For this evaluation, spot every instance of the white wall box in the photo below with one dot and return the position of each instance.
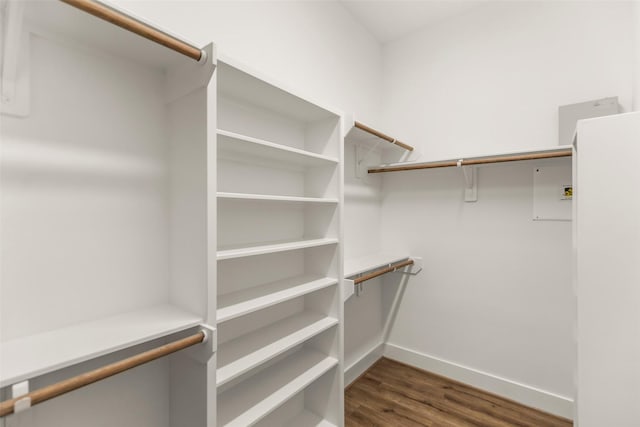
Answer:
(106, 226)
(279, 255)
(607, 250)
(552, 193)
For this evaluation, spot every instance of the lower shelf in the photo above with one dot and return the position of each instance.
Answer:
(258, 396)
(309, 419)
(246, 352)
(28, 357)
(247, 301)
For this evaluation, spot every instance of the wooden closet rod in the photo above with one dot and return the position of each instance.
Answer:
(473, 161)
(122, 20)
(381, 135)
(382, 271)
(74, 383)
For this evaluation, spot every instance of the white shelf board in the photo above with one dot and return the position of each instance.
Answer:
(309, 419)
(548, 150)
(230, 252)
(28, 357)
(358, 136)
(247, 146)
(258, 396)
(274, 198)
(247, 301)
(238, 81)
(246, 352)
(366, 263)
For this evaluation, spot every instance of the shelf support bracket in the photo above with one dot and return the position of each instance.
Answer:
(361, 166)
(349, 289)
(470, 174)
(21, 417)
(17, 390)
(14, 83)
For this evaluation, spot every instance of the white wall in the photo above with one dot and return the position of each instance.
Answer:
(636, 71)
(494, 305)
(493, 78)
(316, 48)
(362, 218)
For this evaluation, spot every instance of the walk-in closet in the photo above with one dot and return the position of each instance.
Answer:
(340, 213)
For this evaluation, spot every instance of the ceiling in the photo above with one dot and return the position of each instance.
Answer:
(388, 20)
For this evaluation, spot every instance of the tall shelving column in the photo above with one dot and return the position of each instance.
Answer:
(279, 206)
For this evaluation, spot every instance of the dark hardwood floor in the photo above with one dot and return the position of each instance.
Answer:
(393, 394)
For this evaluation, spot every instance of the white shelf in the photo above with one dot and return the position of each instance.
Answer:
(35, 355)
(309, 419)
(244, 251)
(250, 401)
(246, 146)
(559, 149)
(361, 137)
(249, 300)
(239, 82)
(244, 353)
(274, 198)
(370, 262)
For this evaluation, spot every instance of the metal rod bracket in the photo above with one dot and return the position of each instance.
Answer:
(470, 174)
(202, 353)
(413, 269)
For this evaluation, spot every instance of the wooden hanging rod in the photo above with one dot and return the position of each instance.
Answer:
(74, 383)
(381, 135)
(129, 23)
(382, 271)
(474, 161)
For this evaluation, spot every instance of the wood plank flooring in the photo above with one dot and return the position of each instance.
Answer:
(393, 394)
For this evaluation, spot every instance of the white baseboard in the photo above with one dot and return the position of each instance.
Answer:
(526, 395)
(357, 368)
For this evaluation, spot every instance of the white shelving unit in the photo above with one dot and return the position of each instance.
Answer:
(279, 202)
(606, 249)
(105, 189)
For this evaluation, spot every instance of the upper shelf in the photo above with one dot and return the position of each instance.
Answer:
(231, 142)
(361, 133)
(546, 153)
(28, 357)
(236, 83)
